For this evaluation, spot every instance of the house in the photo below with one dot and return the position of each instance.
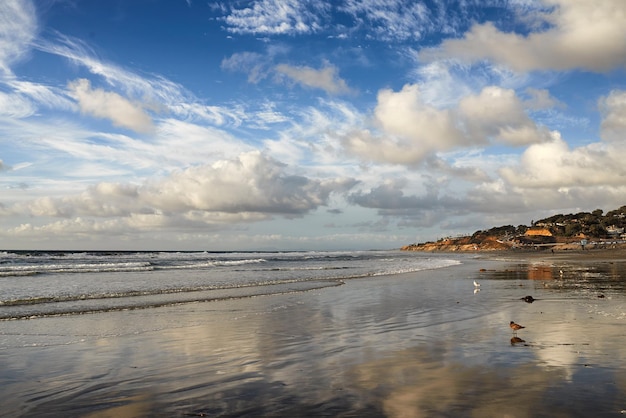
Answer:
(614, 230)
(536, 236)
(538, 232)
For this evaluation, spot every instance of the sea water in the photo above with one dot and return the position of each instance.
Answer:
(44, 283)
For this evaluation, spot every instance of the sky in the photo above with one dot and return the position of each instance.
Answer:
(304, 124)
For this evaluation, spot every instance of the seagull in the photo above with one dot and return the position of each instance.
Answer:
(476, 283)
(515, 327)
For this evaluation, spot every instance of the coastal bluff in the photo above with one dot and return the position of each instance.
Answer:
(583, 230)
(461, 244)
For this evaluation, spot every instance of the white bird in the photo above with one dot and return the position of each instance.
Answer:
(476, 283)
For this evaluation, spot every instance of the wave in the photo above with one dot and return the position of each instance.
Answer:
(81, 282)
(46, 267)
(83, 297)
(42, 307)
(285, 262)
(214, 263)
(135, 293)
(27, 270)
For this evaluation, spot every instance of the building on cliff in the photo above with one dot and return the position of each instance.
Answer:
(536, 236)
(538, 232)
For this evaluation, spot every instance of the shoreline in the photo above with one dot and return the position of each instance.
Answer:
(564, 257)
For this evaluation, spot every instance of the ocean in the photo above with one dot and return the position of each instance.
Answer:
(43, 283)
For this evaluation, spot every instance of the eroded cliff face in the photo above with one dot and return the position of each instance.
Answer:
(463, 244)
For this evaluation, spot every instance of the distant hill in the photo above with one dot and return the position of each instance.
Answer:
(557, 231)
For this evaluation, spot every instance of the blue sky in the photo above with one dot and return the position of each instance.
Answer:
(284, 125)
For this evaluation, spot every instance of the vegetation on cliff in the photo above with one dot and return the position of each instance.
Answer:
(556, 229)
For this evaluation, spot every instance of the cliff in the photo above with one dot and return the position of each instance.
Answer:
(489, 243)
(558, 232)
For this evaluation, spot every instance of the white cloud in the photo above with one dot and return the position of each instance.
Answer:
(72, 151)
(613, 107)
(181, 144)
(440, 85)
(198, 112)
(541, 99)
(326, 78)
(383, 20)
(18, 27)
(156, 92)
(555, 165)
(91, 155)
(311, 139)
(15, 106)
(110, 105)
(405, 115)
(249, 188)
(133, 85)
(459, 171)
(392, 19)
(26, 99)
(390, 197)
(259, 67)
(268, 115)
(251, 183)
(580, 34)
(278, 17)
(44, 96)
(499, 115)
(411, 130)
(252, 63)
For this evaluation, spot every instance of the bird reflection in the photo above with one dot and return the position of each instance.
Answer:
(476, 290)
(516, 340)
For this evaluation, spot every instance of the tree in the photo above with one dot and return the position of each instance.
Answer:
(572, 229)
(596, 230)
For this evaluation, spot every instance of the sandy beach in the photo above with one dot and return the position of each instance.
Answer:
(422, 344)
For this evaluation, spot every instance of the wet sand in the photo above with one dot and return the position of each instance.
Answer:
(421, 344)
(572, 254)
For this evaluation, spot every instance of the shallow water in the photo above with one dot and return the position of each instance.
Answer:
(36, 283)
(418, 344)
